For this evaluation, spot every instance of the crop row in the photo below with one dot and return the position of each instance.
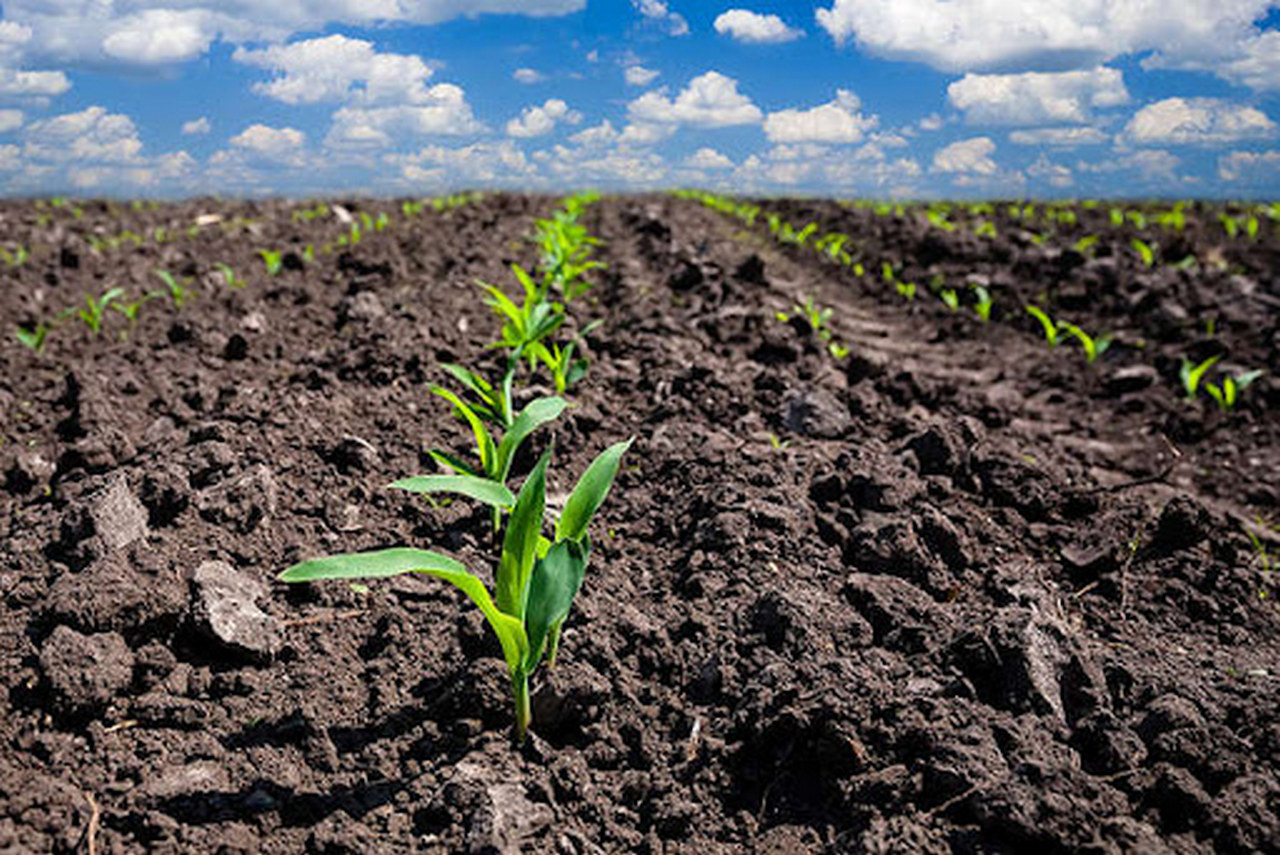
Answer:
(841, 249)
(542, 560)
(178, 290)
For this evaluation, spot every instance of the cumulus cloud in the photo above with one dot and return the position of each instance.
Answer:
(710, 100)
(486, 163)
(445, 113)
(10, 120)
(638, 75)
(1055, 174)
(527, 75)
(660, 13)
(1152, 165)
(868, 171)
(1253, 166)
(197, 127)
(537, 121)
(1196, 121)
(708, 158)
(283, 144)
(161, 32)
(1061, 137)
(338, 68)
(93, 135)
(839, 121)
(754, 28)
(1044, 35)
(1037, 97)
(967, 156)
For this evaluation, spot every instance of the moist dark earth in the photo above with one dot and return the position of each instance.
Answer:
(955, 592)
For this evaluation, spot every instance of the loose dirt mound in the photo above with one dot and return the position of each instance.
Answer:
(954, 592)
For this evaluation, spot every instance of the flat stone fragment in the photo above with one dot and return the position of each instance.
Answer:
(224, 606)
(118, 517)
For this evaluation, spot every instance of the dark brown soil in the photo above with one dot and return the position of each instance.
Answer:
(955, 593)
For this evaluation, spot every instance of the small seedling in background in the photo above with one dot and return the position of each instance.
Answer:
(1192, 373)
(228, 275)
(178, 292)
(382, 222)
(131, 310)
(495, 457)
(1145, 252)
(1228, 393)
(1085, 245)
(537, 577)
(529, 322)
(1093, 347)
(273, 259)
(566, 369)
(907, 290)
(96, 309)
(309, 253)
(16, 258)
(986, 229)
(1046, 324)
(35, 336)
(950, 298)
(984, 303)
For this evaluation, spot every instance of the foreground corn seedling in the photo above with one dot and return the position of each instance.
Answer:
(96, 309)
(1192, 373)
(1228, 393)
(537, 577)
(983, 303)
(1046, 324)
(1093, 347)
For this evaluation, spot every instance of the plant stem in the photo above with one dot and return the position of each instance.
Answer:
(520, 691)
(553, 646)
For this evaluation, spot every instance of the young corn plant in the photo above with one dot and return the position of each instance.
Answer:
(95, 310)
(950, 298)
(563, 363)
(1093, 347)
(1191, 374)
(1145, 252)
(1228, 392)
(537, 578)
(493, 401)
(982, 303)
(273, 259)
(228, 275)
(907, 290)
(1047, 324)
(532, 320)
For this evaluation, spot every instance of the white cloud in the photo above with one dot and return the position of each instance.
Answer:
(624, 169)
(1196, 121)
(1044, 35)
(795, 167)
(527, 75)
(160, 32)
(90, 135)
(711, 100)
(637, 75)
(197, 127)
(1055, 174)
(1257, 65)
(1253, 166)
(836, 122)
(1152, 165)
(537, 121)
(967, 156)
(659, 12)
(1037, 97)
(931, 122)
(445, 113)
(339, 69)
(755, 28)
(708, 158)
(488, 163)
(10, 120)
(1059, 136)
(283, 144)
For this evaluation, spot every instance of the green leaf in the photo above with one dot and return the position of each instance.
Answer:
(481, 489)
(370, 565)
(538, 412)
(457, 464)
(552, 588)
(510, 631)
(590, 492)
(469, 378)
(1191, 374)
(520, 543)
(484, 442)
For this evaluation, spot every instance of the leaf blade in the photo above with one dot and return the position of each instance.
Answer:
(590, 492)
(481, 489)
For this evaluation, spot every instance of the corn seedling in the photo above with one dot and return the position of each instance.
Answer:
(1228, 392)
(228, 275)
(495, 457)
(986, 229)
(178, 292)
(566, 369)
(34, 336)
(983, 303)
(1085, 245)
(531, 321)
(16, 258)
(131, 310)
(950, 298)
(1093, 347)
(1145, 252)
(273, 259)
(1046, 324)
(1191, 374)
(907, 290)
(537, 577)
(492, 401)
(96, 309)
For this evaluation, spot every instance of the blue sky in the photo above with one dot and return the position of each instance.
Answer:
(913, 98)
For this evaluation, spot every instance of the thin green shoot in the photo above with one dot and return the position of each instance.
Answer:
(1093, 347)
(1047, 324)
(1145, 252)
(1227, 394)
(983, 304)
(1191, 374)
(273, 259)
(95, 309)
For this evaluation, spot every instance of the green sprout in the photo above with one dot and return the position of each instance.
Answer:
(493, 400)
(273, 259)
(131, 310)
(495, 457)
(532, 320)
(984, 303)
(228, 275)
(1228, 393)
(566, 369)
(1093, 347)
(907, 290)
(309, 253)
(16, 258)
(1085, 245)
(1046, 323)
(178, 292)
(96, 309)
(986, 229)
(537, 577)
(34, 336)
(950, 298)
(1192, 373)
(1145, 252)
